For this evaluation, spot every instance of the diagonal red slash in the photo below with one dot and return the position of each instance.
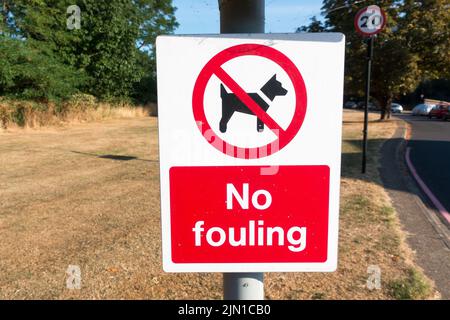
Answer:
(248, 101)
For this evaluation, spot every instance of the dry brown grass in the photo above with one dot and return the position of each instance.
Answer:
(62, 204)
(27, 114)
(106, 111)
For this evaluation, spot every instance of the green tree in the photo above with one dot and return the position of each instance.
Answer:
(425, 25)
(314, 26)
(30, 72)
(400, 62)
(109, 46)
(145, 90)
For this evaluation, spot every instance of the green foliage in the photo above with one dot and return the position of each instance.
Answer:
(425, 28)
(154, 17)
(145, 90)
(413, 46)
(394, 70)
(412, 287)
(82, 102)
(18, 116)
(314, 26)
(112, 50)
(108, 47)
(20, 112)
(31, 72)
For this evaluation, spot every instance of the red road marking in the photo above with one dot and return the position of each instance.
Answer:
(425, 188)
(248, 101)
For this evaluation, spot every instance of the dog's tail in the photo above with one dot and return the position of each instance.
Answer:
(223, 91)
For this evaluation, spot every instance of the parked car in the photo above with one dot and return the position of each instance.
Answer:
(396, 108)
(446, 115)
(362, 105)
(350, 105)
(438, 111)
(374, 107)
(422, 109)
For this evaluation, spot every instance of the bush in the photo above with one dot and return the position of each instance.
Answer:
(29, 71)
(82, 102)
(18, 116)
(26, 113)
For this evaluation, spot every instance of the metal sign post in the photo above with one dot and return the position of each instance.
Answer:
(368, 22)
(243, 286)
(237, 196)
(366, 107)
(242, 16)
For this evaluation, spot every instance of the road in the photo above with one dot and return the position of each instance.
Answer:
(426, 227)
(429, 146)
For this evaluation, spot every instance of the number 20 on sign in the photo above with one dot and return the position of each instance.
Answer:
(250, 147)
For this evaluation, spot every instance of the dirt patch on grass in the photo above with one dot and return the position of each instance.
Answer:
(88, 195)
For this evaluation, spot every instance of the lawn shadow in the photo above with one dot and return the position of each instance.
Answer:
(117, 157)
(114, 157)
(351, 165)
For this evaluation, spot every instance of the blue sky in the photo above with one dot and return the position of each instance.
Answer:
(202, 16)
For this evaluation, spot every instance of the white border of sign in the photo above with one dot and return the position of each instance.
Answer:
(320, 59)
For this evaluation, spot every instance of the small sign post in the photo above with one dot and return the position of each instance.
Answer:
(368, 22)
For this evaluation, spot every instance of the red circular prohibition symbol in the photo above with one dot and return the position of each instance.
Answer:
(369, 34)
(214, 67)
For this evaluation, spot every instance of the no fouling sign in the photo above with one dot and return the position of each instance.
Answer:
(250, 144)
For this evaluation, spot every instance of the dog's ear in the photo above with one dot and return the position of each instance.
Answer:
(268, 88)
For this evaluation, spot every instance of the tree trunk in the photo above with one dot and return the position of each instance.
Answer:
(388, 107)
(385, 108)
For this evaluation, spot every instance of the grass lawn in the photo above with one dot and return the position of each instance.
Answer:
(88, 195)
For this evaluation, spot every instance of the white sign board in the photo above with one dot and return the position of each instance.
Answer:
(250, 151)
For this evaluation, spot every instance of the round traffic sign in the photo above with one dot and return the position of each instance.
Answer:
(370, 20)
(214, 67)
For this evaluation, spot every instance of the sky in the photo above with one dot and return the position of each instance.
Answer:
(202, 16)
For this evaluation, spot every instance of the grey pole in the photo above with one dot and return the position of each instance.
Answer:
(366, 107)
(243, 286)
(242, 16)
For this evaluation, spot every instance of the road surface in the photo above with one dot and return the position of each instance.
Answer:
(428, 232)
(429, 146)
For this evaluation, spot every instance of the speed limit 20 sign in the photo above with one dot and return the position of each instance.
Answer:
(250, 150)
(370, 20)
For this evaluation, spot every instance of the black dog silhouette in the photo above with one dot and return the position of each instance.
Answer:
(231, 103)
